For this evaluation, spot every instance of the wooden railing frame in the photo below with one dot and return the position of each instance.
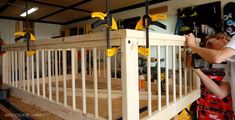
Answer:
(127, 41)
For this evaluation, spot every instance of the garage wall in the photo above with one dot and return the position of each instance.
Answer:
(45, 31)
(7, 29)
(42, 30)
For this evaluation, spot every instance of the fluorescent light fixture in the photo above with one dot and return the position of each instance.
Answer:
(31, 10)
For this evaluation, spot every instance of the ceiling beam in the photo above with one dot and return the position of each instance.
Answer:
(66, 8)
(120, 10)
(6, 5)
(59, 6)
(23, 19)
(77, 20)
(136, 6)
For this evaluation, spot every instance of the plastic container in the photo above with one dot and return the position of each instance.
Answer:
(141, 83)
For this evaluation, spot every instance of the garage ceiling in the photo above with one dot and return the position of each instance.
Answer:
(64, 11)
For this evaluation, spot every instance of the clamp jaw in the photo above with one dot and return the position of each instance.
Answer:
(110, 23)
(20, 35)
(147, 20)
(105, 19)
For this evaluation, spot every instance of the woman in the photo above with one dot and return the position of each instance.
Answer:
(219, 49)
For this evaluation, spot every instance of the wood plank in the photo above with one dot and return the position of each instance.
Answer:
(33, 111)
(102, 79)
(130, 95)
(51, 106)
(158, 10)
(5, 114)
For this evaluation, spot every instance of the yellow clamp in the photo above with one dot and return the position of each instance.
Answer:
(144, 51)
(111, 51)
(101, 16)
(155, 17)
(31, 53)
(32, 37)
(184, 115)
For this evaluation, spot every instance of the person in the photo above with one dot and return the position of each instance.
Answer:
(219, 48)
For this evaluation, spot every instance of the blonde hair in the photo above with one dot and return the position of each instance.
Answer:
(217, 36)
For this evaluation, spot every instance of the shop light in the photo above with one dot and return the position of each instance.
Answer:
(31, 10)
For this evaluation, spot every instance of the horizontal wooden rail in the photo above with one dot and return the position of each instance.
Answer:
(98, 40)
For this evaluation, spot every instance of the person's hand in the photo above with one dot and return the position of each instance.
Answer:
(197, 71)
(190, 40)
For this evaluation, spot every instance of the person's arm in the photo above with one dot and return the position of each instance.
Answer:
(214, 56)
(220, 91)
(211, 55)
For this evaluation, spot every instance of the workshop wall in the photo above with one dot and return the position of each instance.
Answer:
(7, 30)
(42, 30)
(45, 31)
(173, 5)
